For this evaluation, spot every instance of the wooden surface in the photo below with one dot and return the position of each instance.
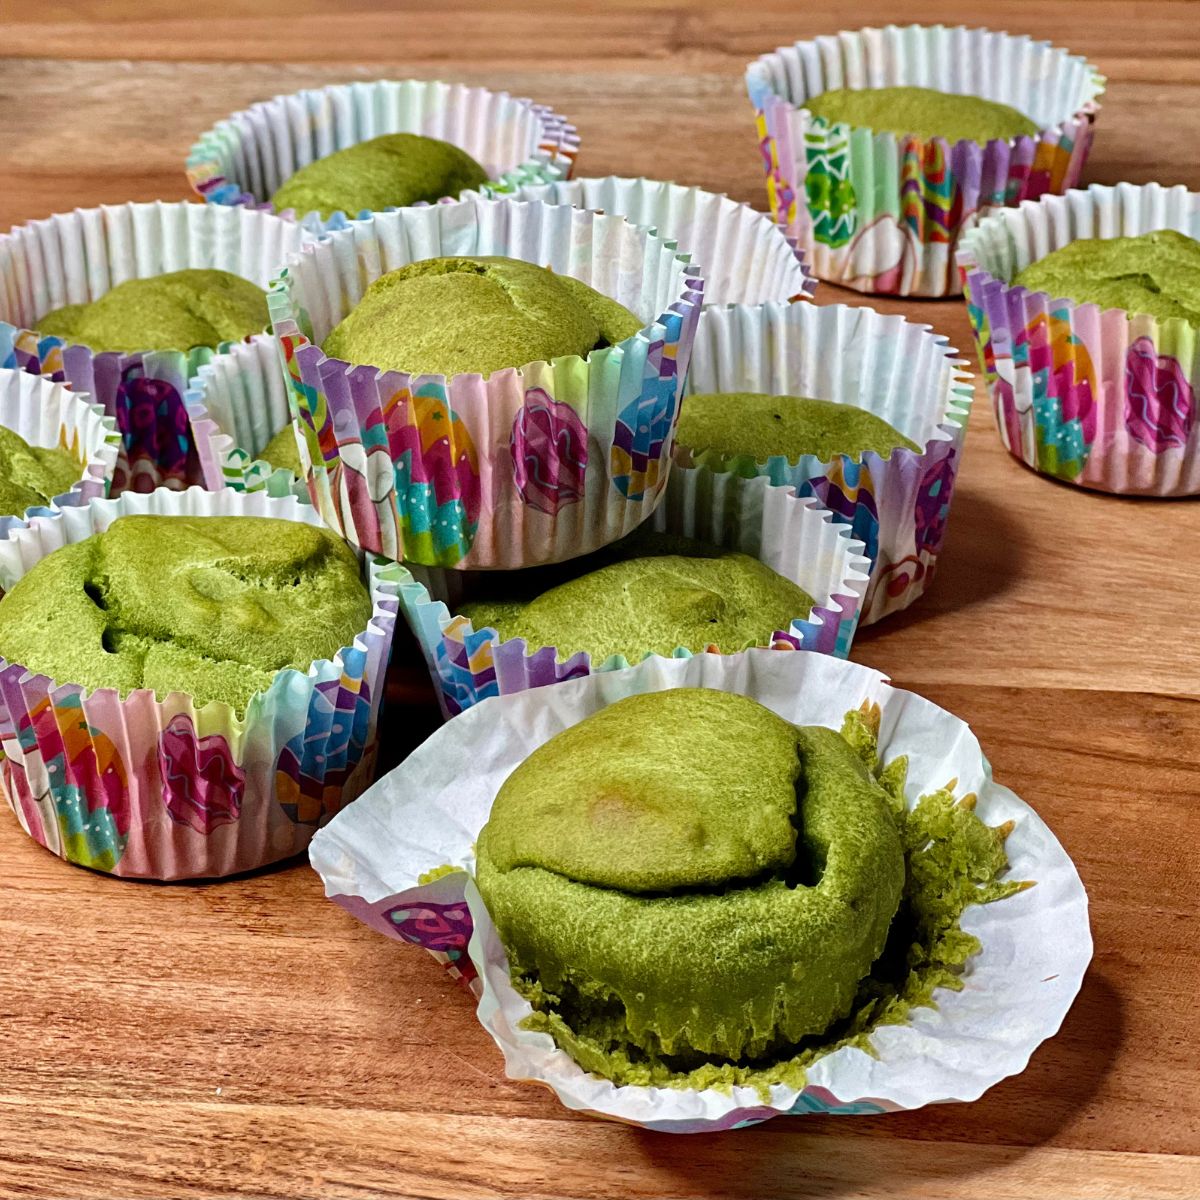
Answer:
(250, 1039)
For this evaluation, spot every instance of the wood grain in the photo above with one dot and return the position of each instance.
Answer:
(248, 1038)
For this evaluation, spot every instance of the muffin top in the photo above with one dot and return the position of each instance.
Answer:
(209, 606)
(390, 171)
(923, 112)
(283, 452)
(758, 426)
(453, 316)
(1156, 273)
(31, 476)
(175, 311)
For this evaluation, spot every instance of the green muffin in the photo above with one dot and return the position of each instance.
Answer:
(210, 606)
(31, 476)
(652, 605)
(693, 874)
(394, 170)
(1157, 274)
(283, 452)
(756, 426)
(175, 311)
(923, 112)
(453, 316)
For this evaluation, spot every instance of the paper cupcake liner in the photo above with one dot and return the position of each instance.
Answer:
(51, 416)
(73, 258)
(897, 506)
(744, 256)
(1104, 399)
(880, 212)
(798, 538)
(529, 465)
(244, 159)
(427, 813)
(237, 402)
(160, 789)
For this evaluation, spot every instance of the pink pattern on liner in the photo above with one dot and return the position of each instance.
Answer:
(202, 785)
(550, 452)
(1160, 408)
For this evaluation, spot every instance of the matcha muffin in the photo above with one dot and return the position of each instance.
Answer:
(393, 170)
(1156, 273)
(31, 476)
(757, 426)
(282, 451)
(693, 875)
(452, 316)
(923, 112)
(213, 607)
(176, 311)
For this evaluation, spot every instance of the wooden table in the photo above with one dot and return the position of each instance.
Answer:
(248, 1038)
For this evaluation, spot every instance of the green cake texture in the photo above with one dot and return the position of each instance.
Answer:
(696, 869)
(452, 316)
(31, 476)
(282, 451)
(1156, 273)
(390, 171)
(175, 311)
(924, 112)
(653, 605)
(210, 606)
(756, 426)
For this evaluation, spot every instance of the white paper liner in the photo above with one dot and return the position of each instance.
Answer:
(244, 159)
(529, 465)
(905, 373)
(744, 256)
(1104, 399)
(797, 538)
(237, 402)
(428, 812)
(880, 212)
(51, 416)
(160, 789)
(74, 258)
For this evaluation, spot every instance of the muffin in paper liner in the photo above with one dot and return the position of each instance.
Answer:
(74, 258)
(236, 403)
(1101, 398)
(425, 816)
(897, 506)
(798, 538)
(245, 158)
(152, 788)
(745, 257)
(50, 415)
(528, 465)
(880, 212)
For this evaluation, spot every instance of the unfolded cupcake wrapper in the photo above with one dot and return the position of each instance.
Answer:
(427, 814)
(881, 212)
(1101, 398)
(897, 506)
(744, 256)
(244, 159)
(51, 416)
(528, 465)
(74, 258)
(236, 403)
(160, 789)
(798, 538)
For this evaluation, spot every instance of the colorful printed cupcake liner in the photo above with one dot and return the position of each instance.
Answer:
(880, 212)
(375, 857)
(745, 257)
(244, 159)
(159, 789)
(51, 416)
(897, 506)
(74, 258)
(237, 402)
(529, 465)
(1105, 399)
(798, 538)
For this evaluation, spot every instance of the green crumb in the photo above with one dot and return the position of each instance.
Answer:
(31, 476)
(437, 873)
(282, 452)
